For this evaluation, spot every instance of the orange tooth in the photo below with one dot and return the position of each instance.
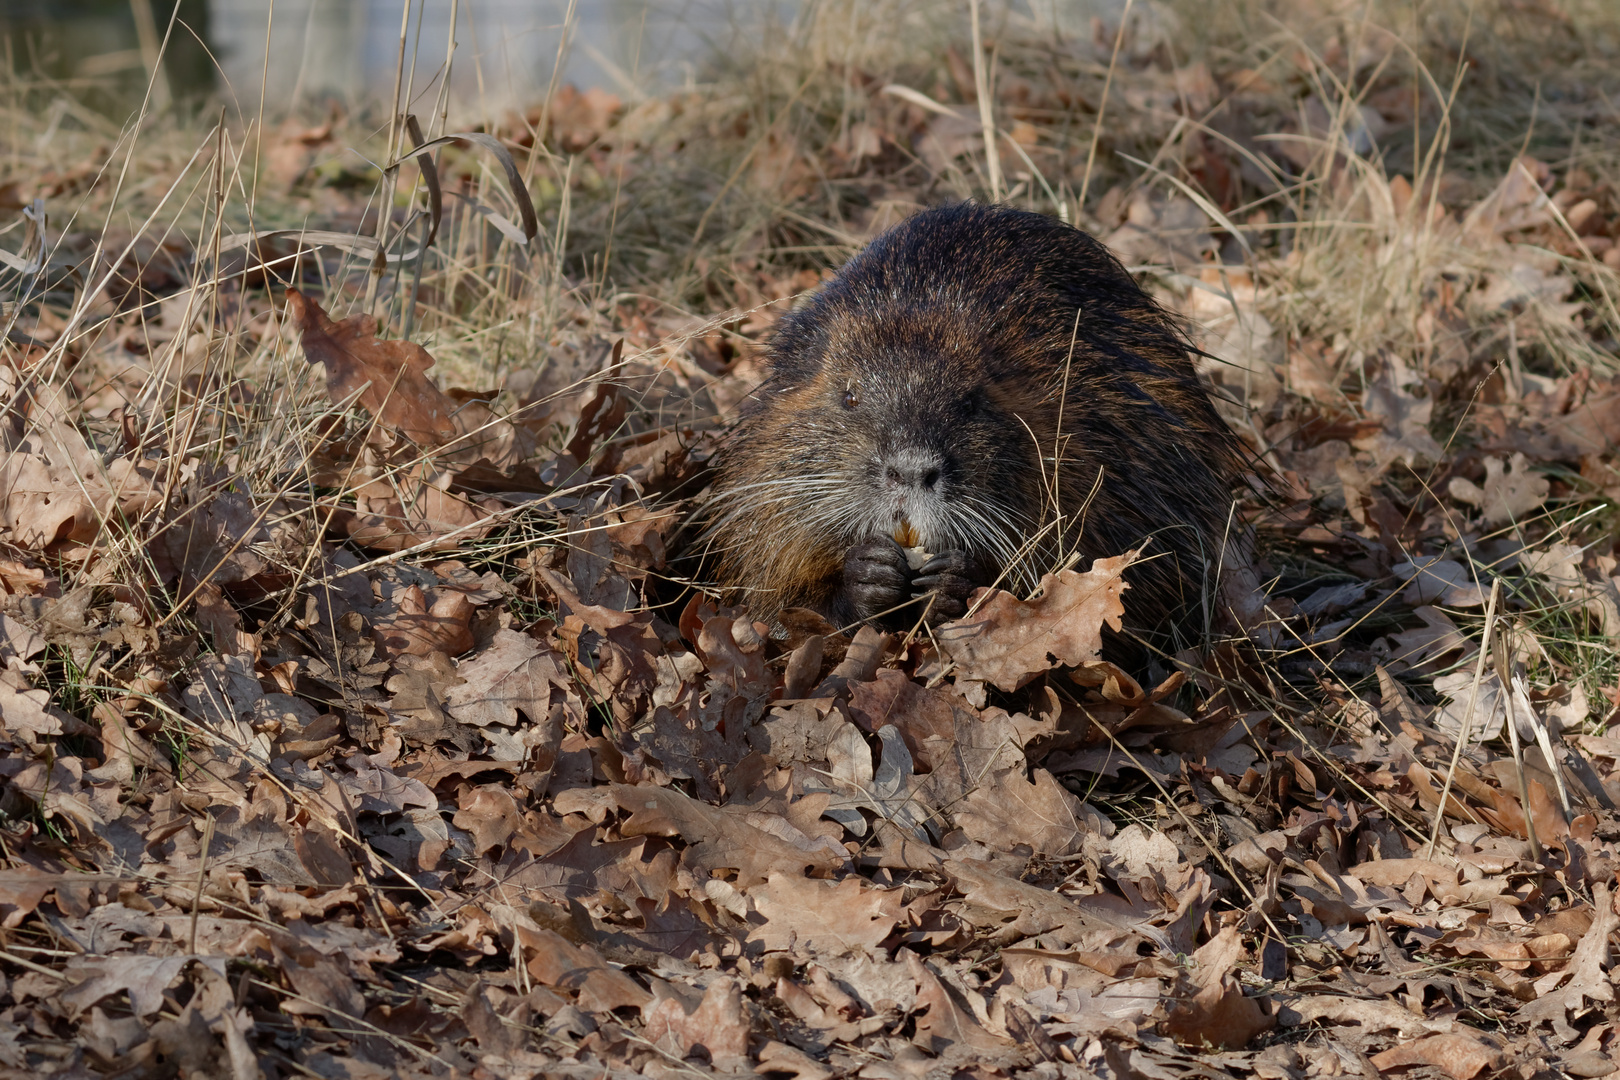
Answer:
(905, 535)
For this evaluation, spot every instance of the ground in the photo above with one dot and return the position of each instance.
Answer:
(358, 718)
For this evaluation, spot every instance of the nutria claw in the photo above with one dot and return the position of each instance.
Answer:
(876, 580)
(948, 579)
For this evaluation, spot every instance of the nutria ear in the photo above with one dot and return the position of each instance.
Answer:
(799, 343)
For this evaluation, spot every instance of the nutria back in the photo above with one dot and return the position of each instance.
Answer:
(991, 386)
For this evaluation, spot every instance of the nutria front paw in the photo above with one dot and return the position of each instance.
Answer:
(876, 579)
(948, 579)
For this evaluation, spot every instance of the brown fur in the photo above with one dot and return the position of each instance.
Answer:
(970, 375)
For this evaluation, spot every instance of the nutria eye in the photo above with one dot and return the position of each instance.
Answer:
(852, 397)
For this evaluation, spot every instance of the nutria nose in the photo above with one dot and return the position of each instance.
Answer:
(912, 469)
(913, 478)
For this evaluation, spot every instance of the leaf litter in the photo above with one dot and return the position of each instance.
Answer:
(354, 723)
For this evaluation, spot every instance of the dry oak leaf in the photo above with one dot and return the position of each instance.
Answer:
(734, 652)
(820, 917)
(490, 814)
(512, 676)
(1396, 873)
(1463, 1056)
(390, 377)
(1007, 809)
(1562, 426)
(1518, 202)
(29, 713)
(1419, 647)
(775, 1057)
(145, 977)
(1343, 898)
(42, 504)
(20, 893)
(18, 641)
(1157, 232)
(213, 541)
(993, 898)
(556, 961)
(940, 728)
(1218, 1014)
(1008, 641)
(946, 1026)
(380, 790)
(1295, 1009)
(416, 626)
(1404, 416)
(407, 509)
(1432, 579)
(579, 868)
(484, 1024)
(1560, 566)
(717, 1025)
(1136, 853)
(623, 669)
(1509, 494)
(1587, 979)
(1033, 969)
(722, 837)
(1526, 283)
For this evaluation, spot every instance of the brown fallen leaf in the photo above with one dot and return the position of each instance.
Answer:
(1405, 417)
(1558, 427)
(945, 1025)
(494, 1037)
(1218, 1014)
(388, 378)
(1420, 648)
(1509, 494)
(555, 961)
(44, 504)
(29, 713)
(1008, 641)
(817, 916)
(418, 625)
(1395, 873)
(718, 1025)
(1463, 1056)
(1587, 978)
(1295, 1009)
(1033, 968)
(490, 814)
(1033, 910)
(1173, 232)
(1009, 808)
(513, 675)
(775, 1057)
(723, 836)
(1518, 202)
(144, 977)
(20, 893)
(218, 540)
(406, 509)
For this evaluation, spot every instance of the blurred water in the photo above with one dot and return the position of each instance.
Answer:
(506, 50)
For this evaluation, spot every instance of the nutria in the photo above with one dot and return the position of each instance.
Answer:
(988, 385)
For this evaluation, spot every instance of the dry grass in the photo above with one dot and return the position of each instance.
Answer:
(1310, 184)
(680, 219)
